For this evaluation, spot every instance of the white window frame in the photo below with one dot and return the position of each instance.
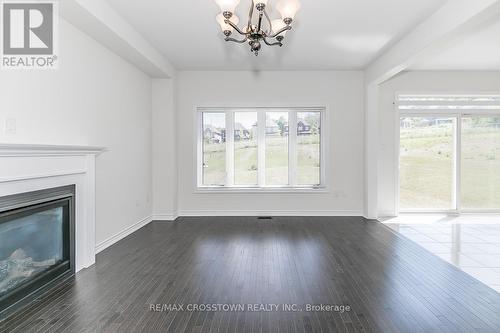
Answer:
(261, 137)
(457, 115)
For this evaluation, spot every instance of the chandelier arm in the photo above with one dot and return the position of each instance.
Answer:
(235, 27)
(280, 31)
(229, 39)
(250, 14)
(272, 44)
(259, 25)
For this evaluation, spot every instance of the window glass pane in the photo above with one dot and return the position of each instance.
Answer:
(426, 163)
(276, 148)
(308, 148)
(214, 148)
(480, 162)
(245, 148)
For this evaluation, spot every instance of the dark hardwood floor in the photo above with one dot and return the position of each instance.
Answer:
(390, 283)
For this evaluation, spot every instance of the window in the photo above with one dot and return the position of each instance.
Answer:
(255, 148)
(245, 149)
(308, 148)
(449, 157)
(276, 148)
(214, 148)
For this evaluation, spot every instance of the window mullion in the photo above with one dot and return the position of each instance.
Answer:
(261, 147)
(229, 148)
(292, 148)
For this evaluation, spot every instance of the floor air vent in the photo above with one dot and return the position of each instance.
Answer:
(264, 218)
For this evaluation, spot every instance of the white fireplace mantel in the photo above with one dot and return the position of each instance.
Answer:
(31, 167)
(21, 149)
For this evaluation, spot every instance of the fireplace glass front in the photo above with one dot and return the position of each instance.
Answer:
(35, 244)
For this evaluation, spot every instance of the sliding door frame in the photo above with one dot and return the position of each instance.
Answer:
(457, 115)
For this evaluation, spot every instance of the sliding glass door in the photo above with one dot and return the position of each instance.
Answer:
(427, 163)
(449, 163)
(480, 163)
(449, 152)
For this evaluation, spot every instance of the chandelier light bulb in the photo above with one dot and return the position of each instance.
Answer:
(227, 5)
(288, 8)
(223, 25)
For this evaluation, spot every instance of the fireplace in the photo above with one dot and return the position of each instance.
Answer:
(37, 244)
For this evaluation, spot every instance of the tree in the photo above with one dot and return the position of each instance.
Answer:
(312, 120)
(281, 122)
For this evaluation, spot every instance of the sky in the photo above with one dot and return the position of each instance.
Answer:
(247, 119)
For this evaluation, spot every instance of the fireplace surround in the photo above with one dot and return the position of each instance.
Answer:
(37, 244)
(32, 167)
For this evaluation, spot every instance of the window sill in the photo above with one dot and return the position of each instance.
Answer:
(293, 190)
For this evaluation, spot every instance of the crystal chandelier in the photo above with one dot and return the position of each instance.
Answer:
(263, 30)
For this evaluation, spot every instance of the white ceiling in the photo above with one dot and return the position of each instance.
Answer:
(327, 34)
(480, 51)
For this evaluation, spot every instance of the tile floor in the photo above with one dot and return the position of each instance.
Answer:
(470, 242)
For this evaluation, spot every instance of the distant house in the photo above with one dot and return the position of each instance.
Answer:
(214, 135)
(303, 128)
(440, 121)
(241, 133)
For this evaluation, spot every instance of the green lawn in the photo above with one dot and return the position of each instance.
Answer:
(276, 160)
(426, 167)
(481, 169)
(246, 164)
(214, 163)
(308, 159)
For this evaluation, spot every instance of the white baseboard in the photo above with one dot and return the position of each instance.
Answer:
(122, 234)
(164, 217)
(386, 214)
(270, 213)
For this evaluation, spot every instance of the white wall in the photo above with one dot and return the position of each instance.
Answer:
(94, 98)
(417, 82)
(164, 150)
(341, 92)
